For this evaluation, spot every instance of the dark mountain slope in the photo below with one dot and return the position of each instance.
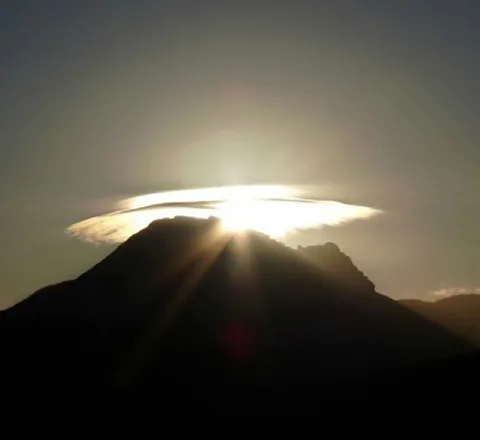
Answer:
(216, 276)
(208, 319)
(333, 261)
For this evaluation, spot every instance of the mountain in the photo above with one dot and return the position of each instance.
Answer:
(459, 313)
(332, 260)
(196, 320)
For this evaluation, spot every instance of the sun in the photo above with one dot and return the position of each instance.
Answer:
(253, 214)
(237, 215)
(235, 224)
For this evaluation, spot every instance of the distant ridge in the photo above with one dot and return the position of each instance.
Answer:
(459, 313)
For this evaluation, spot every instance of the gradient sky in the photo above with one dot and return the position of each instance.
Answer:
(376, 102)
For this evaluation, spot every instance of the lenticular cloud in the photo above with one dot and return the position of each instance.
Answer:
(271, 209)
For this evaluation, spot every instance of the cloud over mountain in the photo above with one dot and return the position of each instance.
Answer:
(451, 291)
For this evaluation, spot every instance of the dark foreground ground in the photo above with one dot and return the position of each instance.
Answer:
(177, 399)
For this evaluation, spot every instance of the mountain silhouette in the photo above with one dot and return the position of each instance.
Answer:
(332, 260)
(459, 313)
(213, 321)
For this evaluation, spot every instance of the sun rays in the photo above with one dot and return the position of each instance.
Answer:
(272, 210)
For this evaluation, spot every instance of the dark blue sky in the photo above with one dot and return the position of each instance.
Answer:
(376, 100)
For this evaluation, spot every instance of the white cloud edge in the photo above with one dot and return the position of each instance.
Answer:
(451, 291)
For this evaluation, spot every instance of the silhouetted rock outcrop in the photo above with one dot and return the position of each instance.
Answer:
(213, 322)
(459, 313)
(332, 260)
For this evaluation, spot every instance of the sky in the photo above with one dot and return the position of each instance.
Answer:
(373, 102)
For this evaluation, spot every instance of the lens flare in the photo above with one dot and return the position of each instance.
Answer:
(271, 209)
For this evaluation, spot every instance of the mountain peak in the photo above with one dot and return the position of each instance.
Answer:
(332, 260)
(332, 247)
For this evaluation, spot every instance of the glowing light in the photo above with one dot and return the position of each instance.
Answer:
(209, 195)
(273, 210)
(277, 218)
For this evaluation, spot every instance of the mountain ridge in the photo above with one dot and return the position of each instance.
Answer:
(331, 259)
(459, 313)
(127, 284)
(215, 322)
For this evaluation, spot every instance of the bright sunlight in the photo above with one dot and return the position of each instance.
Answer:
(273, 210)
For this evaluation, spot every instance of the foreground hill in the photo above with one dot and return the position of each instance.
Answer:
(211, 322)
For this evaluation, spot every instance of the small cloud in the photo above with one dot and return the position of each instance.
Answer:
(451, 291)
